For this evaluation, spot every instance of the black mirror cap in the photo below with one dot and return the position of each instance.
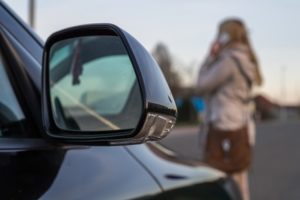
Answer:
(159, 108)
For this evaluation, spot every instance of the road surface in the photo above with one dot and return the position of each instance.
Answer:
(275, 172)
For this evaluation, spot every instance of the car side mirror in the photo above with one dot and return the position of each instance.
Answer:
(101, 86)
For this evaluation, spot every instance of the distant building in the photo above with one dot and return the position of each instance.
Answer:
(266, 109)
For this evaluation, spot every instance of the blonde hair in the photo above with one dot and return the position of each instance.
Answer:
(237, 32)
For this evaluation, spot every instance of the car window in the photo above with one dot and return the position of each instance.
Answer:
(12, 119)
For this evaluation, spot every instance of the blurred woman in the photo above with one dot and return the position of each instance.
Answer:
(226, 80)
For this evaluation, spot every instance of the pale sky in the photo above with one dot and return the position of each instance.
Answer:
(188, 27)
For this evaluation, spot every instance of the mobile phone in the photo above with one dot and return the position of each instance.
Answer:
(223, 38)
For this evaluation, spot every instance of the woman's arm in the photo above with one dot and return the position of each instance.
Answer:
(211, 78)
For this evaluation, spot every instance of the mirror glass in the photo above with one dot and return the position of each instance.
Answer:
(93, 85)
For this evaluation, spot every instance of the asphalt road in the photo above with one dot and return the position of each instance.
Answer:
(275, 172)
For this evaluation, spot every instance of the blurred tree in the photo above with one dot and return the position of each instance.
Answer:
(164, 60)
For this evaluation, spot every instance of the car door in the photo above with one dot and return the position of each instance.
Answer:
(32, 167)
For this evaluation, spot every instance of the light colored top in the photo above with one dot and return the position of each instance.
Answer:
(225, 89)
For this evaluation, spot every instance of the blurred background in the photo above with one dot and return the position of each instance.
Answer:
(179, 34)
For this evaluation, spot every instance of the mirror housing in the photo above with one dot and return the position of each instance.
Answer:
(158, 109)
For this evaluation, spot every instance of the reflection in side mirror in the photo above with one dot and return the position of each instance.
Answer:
(101, 86)
(93, 85)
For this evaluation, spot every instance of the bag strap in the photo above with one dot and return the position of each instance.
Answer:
(242, 71)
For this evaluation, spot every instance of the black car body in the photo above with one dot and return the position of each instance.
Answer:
(32, 167)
